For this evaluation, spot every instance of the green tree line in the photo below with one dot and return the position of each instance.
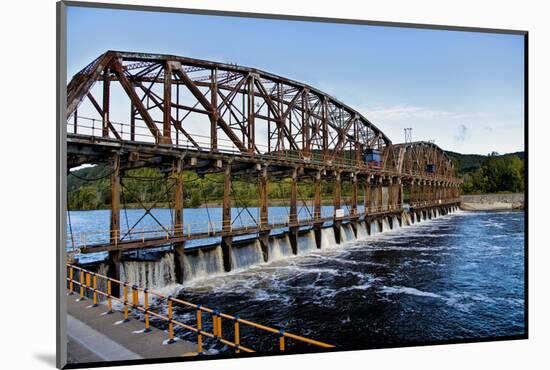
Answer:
(492, 173)
(89, 188)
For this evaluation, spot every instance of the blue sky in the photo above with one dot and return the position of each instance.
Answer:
(462, 89)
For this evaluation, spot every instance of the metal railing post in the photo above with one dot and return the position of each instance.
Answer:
(109, 299)
(237, 335)
(94, 290)
(146, 306)
(170, 322)
(71, 286)
(199, 330)
(281, 340)
(81, 278)
(125, 301)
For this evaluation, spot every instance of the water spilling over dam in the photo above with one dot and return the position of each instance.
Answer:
(157, 269)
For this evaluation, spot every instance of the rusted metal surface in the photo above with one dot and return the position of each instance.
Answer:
(195, 115)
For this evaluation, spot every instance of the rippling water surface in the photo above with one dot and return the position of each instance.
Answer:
(455, 277)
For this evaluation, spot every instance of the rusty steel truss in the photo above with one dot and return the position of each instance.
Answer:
(176, 113)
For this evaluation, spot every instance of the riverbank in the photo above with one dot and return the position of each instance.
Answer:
(492, 202)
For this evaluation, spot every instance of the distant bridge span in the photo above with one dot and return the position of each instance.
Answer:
(132, 110)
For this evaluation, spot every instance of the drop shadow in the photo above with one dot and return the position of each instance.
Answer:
(46, 358)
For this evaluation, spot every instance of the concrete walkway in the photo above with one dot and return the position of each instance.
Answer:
(94, 336)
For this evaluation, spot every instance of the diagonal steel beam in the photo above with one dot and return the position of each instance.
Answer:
(82, 82)
(206, 104)
(276, 113)
(159, 104)
(126, 85)
(100, 111)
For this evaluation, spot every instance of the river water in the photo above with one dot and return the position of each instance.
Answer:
(455, 277)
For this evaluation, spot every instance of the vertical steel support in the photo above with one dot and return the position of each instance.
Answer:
(293, 217)
(306, 142)
(250, 120)
(325, 127)
(264, 216)
(353, 209)
(113, 270)
(115, 201)
(167, 112)
(380, 198)
(317, 197)
(399, 193)
(227, 237)
(391, 195)
(214, 113)
(262, 184)
(337, 193)
(179, 231)
(106, 99)
(354, 195)
(357, 147)
(368, 197)
(132, 122)
(317, 209)
(412, 193)
(423, 197)
(337, 203)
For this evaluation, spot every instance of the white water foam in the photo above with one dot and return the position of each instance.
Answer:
(203, 263)
(361, 231)
(243, 256)
(328, 240)
(385, 224)
(279, 248)
(374, 227)
(407, 290)
(149, 274)
(306, 243)
(395, 223)
(346, 233)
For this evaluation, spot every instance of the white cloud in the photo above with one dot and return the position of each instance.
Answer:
(403, 112)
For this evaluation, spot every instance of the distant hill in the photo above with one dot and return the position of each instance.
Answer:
(467, 163)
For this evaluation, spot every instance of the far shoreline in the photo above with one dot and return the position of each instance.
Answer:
(492, 202)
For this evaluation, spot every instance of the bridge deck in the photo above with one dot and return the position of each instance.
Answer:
(95, 337)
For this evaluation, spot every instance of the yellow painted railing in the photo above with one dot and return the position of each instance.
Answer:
(88, 283)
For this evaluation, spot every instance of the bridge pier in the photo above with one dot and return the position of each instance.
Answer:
(113, 263)
(317, 210)
(264, 217)
(227, 239)
(263, 237)
(337, 202)
(379, 195)
(179, 248)
(391, 191)
(227, 246)
(399, 195)
(354, 214)
(293, 217)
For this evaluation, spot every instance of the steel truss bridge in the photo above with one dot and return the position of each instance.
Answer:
(130, 110)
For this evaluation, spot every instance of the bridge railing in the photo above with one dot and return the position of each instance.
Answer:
(84, 239)
(89, 283)
(92, 127)
(187, 230)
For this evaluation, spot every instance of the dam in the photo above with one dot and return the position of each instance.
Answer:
(232, 124)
